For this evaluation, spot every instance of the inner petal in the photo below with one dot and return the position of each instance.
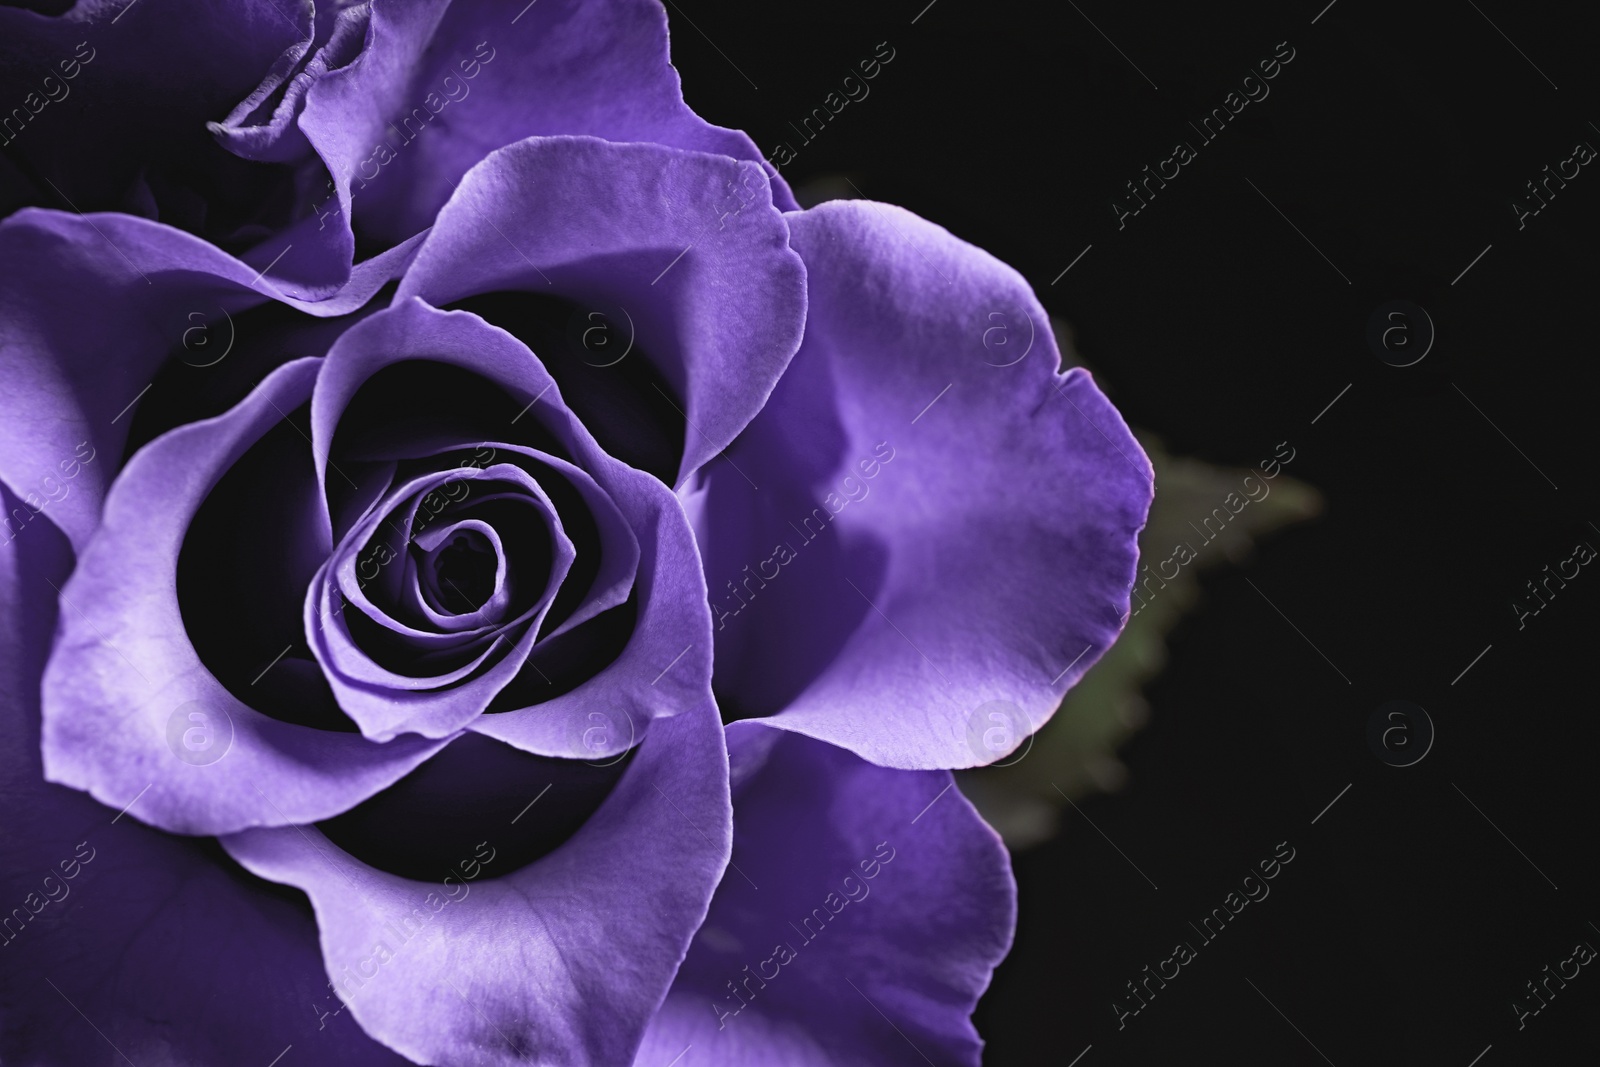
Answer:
(462, 569)
(447, 568)
(503, 522)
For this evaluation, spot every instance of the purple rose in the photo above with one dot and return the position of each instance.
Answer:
(358, 644)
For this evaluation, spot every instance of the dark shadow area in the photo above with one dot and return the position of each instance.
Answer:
(466, 812)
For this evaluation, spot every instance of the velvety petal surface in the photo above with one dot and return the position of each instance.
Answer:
(945, 524)
(561, 962)
(861, 917)
(263, 126)
(665, 665)
(438, 86)
(176, 955)
(90, 307)
(124, 684)
(684, 248)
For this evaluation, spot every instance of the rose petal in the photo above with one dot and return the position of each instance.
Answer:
(945, 524)
(123, 671)
(175, 954)
(344, 569)
(309, 253)
(615, 543)
(665, 666)
(278, 138)
(385, 702)
(423, 593)
(145, 78)
(436, 88)
(562, 961)
(145, 283)
(687, 245)
(129, 131)
(884, 904)
(611, 575)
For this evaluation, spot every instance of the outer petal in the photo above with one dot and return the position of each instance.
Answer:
(884, 904)
(666, 664)
(944, 522)
(263, 125)
(123, 669)
(176, 956)
(437, 87)
(314, 251)
(687, 245)
(131, 86)
(72, 377)
(562, 962)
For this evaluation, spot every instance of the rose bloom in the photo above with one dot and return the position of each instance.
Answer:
(521, 609)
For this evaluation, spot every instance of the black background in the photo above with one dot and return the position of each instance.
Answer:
(1395, 141)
